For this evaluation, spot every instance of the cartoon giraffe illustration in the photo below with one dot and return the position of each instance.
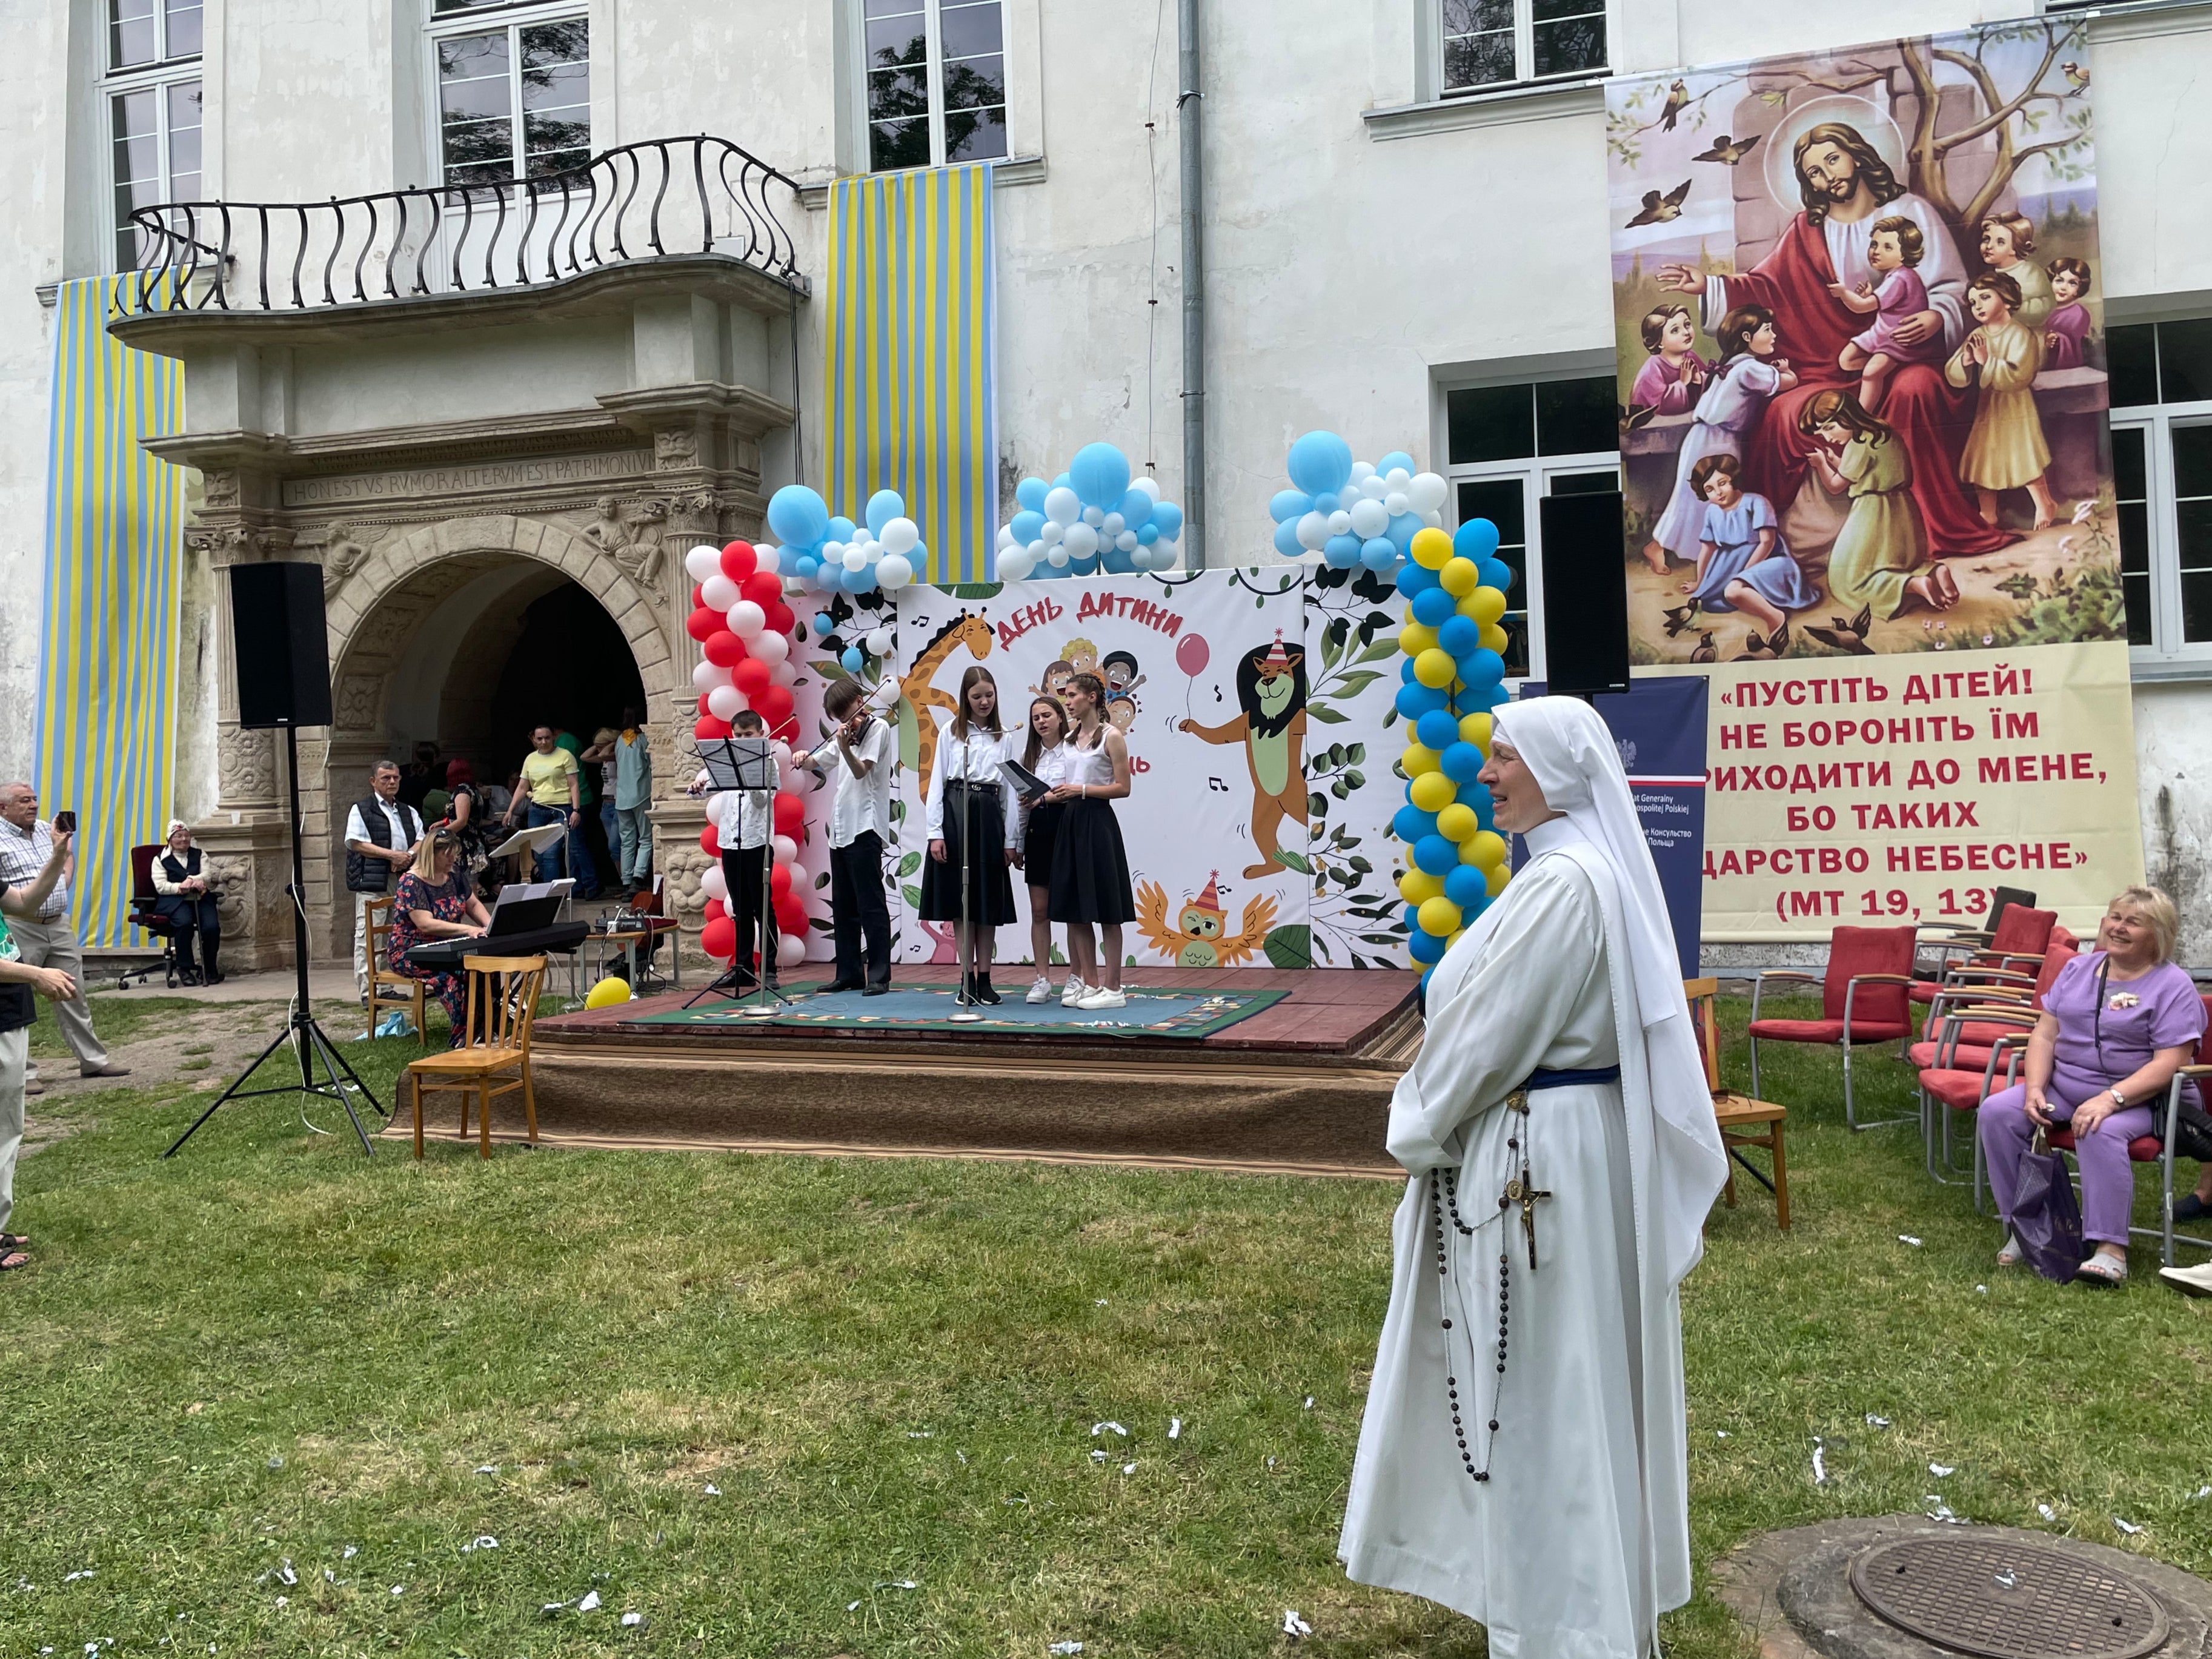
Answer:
(917, 730)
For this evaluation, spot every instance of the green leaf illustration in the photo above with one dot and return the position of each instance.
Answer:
(1290, 946)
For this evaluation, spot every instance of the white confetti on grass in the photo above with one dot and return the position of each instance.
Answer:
(1819, 1466)
(482, 1541)
(1098, 1456)
(2201, 1493)
(71, 1577)
(1873, 1421)
(487, 1469)
(2046, 1512)
(631, 1619)
(1294, 1626)
(2127, 1527)
(1064, 1648)
(712, 1490)
(1942, 1471)
(1097, 1429)
(399, 1589)
(349, 1552)
(852, 1607)
(1309, 1404)
(1128, 1468)
(1175, 1433)
(590, 1604)
(1907, 1238)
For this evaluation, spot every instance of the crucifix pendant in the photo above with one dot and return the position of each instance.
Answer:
(1524, 1192)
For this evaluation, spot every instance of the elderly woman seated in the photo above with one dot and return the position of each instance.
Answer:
(185, 898)
(2117, 1024)
(436, 900)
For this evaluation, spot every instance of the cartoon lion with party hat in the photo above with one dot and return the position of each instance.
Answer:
(1200, 937)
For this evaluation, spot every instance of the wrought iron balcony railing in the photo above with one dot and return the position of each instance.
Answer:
(663, 197)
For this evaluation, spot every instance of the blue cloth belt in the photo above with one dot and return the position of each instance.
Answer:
(1541, 1079)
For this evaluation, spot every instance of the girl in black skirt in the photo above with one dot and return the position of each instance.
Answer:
(1046, 755)
(966, 788)
(1090, 871)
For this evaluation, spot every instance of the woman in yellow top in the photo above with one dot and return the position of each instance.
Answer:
(548, 794)
(2005, 451)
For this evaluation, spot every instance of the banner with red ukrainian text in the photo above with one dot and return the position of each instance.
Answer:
(1873, 790)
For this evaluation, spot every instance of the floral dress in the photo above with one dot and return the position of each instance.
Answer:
(448, 903)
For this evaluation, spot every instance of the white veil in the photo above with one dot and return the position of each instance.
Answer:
(1572, 756)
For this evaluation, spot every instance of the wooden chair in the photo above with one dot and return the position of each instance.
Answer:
(1743, 1121)
(503, 992)
(389, 990)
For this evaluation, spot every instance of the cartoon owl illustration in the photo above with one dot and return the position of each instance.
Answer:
(1200, 937)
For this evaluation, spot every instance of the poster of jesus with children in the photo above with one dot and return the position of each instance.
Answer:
(1861, 341)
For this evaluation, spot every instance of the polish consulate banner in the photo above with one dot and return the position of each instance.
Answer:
(107, 640)
(912, 368)
(1255, 704)
(1873, 793)
(1857, 304)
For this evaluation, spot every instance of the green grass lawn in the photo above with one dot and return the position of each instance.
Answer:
(754, 1399)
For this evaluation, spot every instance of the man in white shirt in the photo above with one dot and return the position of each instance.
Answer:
(381, 831)
(50, 941)
(863, 752)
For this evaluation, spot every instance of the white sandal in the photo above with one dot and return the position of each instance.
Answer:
(2102, 1269)
(2011, 1255)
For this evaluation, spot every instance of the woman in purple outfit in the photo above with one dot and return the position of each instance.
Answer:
(2117, 1024)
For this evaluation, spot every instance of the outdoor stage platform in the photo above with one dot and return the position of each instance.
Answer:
(1255, 1069)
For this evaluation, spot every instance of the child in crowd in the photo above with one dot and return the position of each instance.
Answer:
(1894, 246)
(2067, 327)
(1878, 560)
(1749, 376)
(2007, 240)
(1743, 564)
(2005, 450)
(1674, 378)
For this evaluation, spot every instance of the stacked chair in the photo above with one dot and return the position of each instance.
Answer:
(1865, 998)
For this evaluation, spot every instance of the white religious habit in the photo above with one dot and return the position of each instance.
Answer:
(1564, 1528)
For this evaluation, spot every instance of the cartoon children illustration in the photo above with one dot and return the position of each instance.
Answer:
(1082, 655)
(1676, 377)
(1056, 676)
(1750, 374)
(1743, 564)
(2066, 327)
(1121, 713)
(2005, 450)
(1119, 671)
(1894, 246)
(1880, 559)
(2007, 240)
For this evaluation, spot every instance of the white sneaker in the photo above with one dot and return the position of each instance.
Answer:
(1102, 998)
(2190, 1281)
(1040, 991)
(1071, 994)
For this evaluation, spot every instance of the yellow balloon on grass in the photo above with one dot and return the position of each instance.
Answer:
(1494, 638)
(1497, 874)
(1418, 886)
(1418, 759)
(1475, 729)
(1431, 548)
(1457, 821)
(1460, 577)
(1489, 605)
(1415, 637)
(1432, 792)
(1434, 668)
(608, 992)
(1485, 849)
(1439, 916)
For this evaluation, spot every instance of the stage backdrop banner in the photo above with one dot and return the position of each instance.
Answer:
(1796, 247)
(1255, 706)
(1660, 726)
(1875, 793)
(912, 368)
(107, 640)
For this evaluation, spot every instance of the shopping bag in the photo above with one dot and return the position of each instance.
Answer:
(2046, 1217)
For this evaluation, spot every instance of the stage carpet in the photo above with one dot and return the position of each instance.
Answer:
(1258, 1069)
(1150, 1013)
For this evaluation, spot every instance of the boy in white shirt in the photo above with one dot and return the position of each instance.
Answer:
(744, 824)
(862, 753)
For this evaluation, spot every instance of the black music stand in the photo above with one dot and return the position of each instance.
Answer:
(749, 764)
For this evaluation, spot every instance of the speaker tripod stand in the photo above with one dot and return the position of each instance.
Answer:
(300, 1030)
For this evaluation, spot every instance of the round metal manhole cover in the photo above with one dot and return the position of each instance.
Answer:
(2008, 1600)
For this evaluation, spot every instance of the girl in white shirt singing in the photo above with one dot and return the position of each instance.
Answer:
(1045, 755)
(967, 791)
(1089, 870)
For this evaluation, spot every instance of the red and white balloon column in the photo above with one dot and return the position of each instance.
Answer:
(744, 632)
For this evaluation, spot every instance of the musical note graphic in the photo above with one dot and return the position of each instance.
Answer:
(1217, 694)
(1216, 784)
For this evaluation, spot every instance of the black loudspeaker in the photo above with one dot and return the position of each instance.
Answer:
(1585, 594)
(283, 658)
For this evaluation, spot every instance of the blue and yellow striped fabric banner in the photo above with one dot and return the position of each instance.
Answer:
(913, 365)
(107, 644)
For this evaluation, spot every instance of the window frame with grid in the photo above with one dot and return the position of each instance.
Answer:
(171, 73)
(928, 104)
(1564, 410)
(2162, 425)
(461, 20)
(1478, 41)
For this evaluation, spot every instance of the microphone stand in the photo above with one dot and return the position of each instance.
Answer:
(966, 1015)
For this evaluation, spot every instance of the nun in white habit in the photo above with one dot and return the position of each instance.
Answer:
(1524, 1459)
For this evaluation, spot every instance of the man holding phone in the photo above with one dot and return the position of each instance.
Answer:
(49, 940)
(18, 980)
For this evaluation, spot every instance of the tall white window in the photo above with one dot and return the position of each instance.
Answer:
(152, 89)
(1495, 43)
(936, 82)
(515, 89)
(2161, 395)
(1510, 446)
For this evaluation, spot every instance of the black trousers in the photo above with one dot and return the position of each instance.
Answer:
(857, 909)
(742, 870)
(194, 913)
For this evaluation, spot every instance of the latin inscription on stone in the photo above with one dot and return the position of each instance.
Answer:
(489, 476)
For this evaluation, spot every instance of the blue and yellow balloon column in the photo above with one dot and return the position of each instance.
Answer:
(1454, 671)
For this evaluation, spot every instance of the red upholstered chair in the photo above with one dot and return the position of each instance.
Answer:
(2021, 936)
(1960, 1078)
(1946, 938)
(1992, 986)
(1863, 1000)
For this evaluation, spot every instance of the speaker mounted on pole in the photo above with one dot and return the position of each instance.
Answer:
(1585, 594)
(279, 644)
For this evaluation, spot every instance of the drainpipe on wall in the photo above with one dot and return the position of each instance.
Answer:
(1187, 100)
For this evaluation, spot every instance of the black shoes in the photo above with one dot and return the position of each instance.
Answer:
(837, 985)
(982, 992)
(875, 991)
